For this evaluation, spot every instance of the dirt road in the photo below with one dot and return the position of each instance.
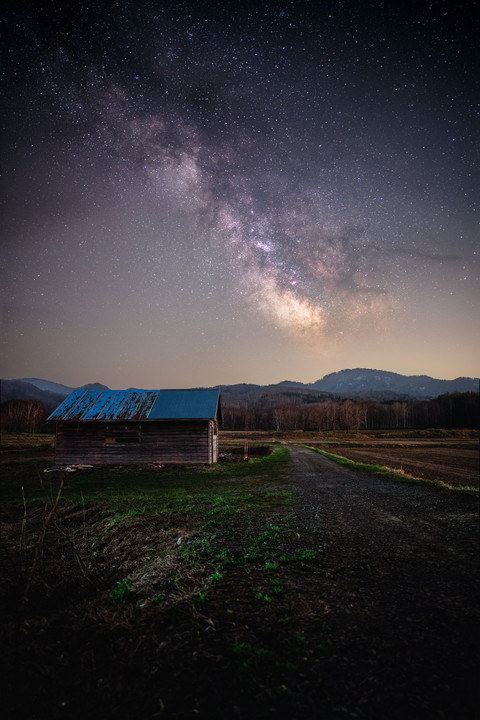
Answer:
(401, 568)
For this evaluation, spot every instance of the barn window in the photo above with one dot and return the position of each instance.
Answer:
(121, 433)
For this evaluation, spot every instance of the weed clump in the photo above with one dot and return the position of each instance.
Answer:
(122, 592)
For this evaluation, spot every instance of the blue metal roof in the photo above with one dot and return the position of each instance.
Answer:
(179, 404)
(114, 405)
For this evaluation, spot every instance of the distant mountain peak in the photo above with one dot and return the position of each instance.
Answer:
(95, 386)
(361, 382)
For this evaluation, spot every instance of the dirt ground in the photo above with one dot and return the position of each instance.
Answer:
(319, 593)
(455, 464)
(403, 576)
(453, 459)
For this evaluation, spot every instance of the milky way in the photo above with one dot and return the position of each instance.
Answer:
(306, 170)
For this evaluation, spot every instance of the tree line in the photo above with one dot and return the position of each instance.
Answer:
(453, 410)
(23, 416)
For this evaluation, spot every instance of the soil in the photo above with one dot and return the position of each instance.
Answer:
(453, 464)
(375, 614)
(402, 577)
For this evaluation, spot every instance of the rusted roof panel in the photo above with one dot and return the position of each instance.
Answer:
(122, 405)
(69, 405)
(91, 405)
(75, 405)
(117, 405)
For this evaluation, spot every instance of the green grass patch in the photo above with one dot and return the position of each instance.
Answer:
(279, 454)
(193, 490)
(121, 593)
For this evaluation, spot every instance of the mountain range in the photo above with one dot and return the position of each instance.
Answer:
(363, 383)
(50, 394)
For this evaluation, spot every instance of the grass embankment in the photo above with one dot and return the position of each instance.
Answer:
(193, 524)
(386, 472)
(164, 579)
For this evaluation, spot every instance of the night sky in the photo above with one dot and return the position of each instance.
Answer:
(202, 193)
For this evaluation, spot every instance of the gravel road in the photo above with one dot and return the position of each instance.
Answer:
(400, 577)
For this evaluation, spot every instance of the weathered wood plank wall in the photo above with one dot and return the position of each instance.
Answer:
(99, 443)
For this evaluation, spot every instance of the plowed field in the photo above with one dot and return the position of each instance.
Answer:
(455, 464)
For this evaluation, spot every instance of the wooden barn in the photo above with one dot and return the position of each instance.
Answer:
(110, 427)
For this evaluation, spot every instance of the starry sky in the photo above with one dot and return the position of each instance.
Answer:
(205, 193)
